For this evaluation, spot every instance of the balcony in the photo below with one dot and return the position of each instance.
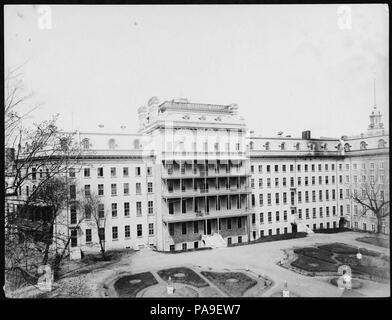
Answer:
(188, 174)
(176, 193)
(191, 216)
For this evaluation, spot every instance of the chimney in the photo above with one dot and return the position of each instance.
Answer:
(306, 135)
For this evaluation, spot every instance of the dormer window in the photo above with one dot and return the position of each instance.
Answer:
(347, 147)
(311, 146)
(267, 146)
(381, 143)
(323, 146)
(203, 117)
(251, 145)
(363, 145)
(296, 146)
(136, 144)
(218, 119)
(186, 117)
(86, 143)
(338, 146)
(282, 146)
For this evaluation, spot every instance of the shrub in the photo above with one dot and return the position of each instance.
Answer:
(332, 230)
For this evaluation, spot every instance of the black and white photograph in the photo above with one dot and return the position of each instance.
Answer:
(196, 151)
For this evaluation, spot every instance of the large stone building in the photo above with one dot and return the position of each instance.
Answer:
(194, 176)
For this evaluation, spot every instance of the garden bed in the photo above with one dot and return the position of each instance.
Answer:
(183, 275)
(234, 284)
(316, 253)
(129, 286)
(313, 265)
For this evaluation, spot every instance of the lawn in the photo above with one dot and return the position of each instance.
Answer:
(183, 275)
(234, 284)
(316, 253)
(313, 264)
(381, 242)
(129, 286)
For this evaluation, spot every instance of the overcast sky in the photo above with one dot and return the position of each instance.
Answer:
(289, 68)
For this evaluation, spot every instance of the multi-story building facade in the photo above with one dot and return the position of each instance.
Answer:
(194, 171)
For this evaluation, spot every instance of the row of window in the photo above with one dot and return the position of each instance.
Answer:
(113, 172)
(113, 188)
(196, 224)
(311, 167)
(307, 195)
(312, 180)
(278, 214)
(180, 146)
(114, 210)
(115, 232)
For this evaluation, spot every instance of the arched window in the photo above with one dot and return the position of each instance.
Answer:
(267, 145)
(112, 143)
(363, 145)
(381, 143)
(136, 144)
(347, 147)
(86, 143)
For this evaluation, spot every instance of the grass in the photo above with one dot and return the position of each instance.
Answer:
(316, 253)
(233, 289)
(125, 288)
(313, 264)
(380, 242)
(190, 276)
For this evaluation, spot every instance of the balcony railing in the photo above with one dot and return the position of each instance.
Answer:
(175, 174)
(201, 192)
(200, 215)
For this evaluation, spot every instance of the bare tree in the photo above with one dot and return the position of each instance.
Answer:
(373, 200)
(37, 156)
(95, 215)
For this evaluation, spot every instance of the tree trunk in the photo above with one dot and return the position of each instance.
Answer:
(102, 249)
(379, 224)
(47, 247)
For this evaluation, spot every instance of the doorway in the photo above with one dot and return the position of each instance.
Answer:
(208, 226)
